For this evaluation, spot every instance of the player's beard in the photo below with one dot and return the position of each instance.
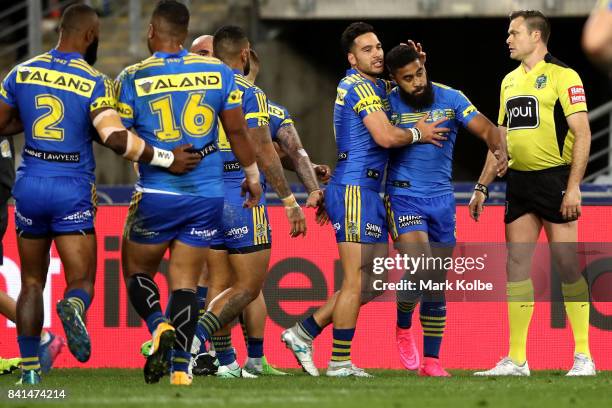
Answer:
(91, 53)
(418, 101)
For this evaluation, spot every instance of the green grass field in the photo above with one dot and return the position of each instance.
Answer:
(121, 388)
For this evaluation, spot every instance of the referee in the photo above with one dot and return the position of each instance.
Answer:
(543, 114)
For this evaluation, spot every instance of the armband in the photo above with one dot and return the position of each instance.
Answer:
(162, 158)
(483, 189)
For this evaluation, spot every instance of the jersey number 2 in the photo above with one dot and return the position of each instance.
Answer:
(45, 127)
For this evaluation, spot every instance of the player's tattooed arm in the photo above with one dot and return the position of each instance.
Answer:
(268, 161)
(322, 171)
(270, 164)
(292, 145)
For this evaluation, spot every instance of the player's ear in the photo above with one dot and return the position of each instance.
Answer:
(90, 35)
(151, 32)
(351, 59)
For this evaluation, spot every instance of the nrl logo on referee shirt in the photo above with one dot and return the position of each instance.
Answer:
(540, 82)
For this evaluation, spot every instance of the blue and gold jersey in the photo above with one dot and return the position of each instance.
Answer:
(173, 99)
(279, 117)
(55, 93)
(361, 161)
(255, 108)
(425, 170)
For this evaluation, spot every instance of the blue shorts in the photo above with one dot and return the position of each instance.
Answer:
(357, 214)
(436, 216)
(244, 230)
(50, 206)
(154, 218)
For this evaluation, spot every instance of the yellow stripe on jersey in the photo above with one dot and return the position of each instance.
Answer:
(150, 62)
(195, 58)
(287, 121)
(257, 115)
(406, 118)
(441, 85)
(83, 66)
(351, 79)
(39, 58)
(55, 79)
(263, 118)
(368, 100)
(108, 100)
(195, 81)
(243, 81)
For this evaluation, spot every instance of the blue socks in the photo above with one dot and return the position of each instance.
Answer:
(28, 348)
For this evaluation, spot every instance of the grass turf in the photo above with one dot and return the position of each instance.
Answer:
(121, 388)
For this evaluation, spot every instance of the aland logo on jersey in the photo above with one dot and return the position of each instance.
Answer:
(56, 79)
(195, 81)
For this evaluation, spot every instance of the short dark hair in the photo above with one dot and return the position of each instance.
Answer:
(400, 56)
(353, 31)
(535, 20)
(174, 14)
(228, 41)
(74, 16)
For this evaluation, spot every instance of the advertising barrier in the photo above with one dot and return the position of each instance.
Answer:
(304, 272)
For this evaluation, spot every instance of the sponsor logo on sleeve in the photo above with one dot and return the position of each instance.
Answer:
(576, 94)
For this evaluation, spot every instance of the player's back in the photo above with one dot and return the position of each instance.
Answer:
(425, 170)
(173, 99)
(360, 160)
(255, 107)
(55, 93)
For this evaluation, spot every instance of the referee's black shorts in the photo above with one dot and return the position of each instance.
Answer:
(539, 192)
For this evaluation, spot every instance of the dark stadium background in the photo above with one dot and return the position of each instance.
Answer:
(465, 53)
